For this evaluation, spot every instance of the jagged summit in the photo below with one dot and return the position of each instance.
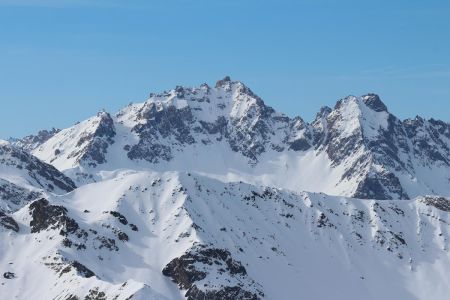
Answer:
(222, 82)
(371, 101)
(323, 112)
(225, 93)
(85, 143)
(358, 148)
(31, 142)
(374, 102)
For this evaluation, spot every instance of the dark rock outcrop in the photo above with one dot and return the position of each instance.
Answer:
(31, 142)
(440, 203)
(225, 293)
(119, 217)
(82, 270)
(8, 222)
(94, 146)
(196, 264)
(9, 275)
(45, 176)
(374, 102)
(46, 216)
(15, 197)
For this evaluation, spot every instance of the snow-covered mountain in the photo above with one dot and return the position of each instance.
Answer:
(24, 178)
(137, 231)
(358, 149)
(208, 193)
(31, 142)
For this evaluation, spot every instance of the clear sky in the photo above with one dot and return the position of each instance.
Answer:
(62, 61)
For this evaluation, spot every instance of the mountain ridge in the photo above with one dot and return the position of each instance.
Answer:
(24, 178)
(199, 193)
(373, 153)
(225, 240)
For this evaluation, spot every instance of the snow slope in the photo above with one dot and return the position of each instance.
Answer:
(319, 246)
(23, 178)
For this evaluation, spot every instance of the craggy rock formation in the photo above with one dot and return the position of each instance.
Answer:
(45, 216)
(8, 222)
(195, 272)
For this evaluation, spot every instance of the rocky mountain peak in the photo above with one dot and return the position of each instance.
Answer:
(222, 82)
(374, 102)
(323, 112)
(342, 103)
(85, 143)
(105, 126)
(229, 99)
(31, 142)
(356, 104)
(366, 149)
(365, 117)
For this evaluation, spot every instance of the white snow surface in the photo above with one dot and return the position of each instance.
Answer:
(288, 218)
(320, 246)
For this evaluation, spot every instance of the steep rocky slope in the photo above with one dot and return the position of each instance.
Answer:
(23, 178)
(31, 142)
(357, 149)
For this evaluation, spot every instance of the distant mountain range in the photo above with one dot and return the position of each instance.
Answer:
(208, 193)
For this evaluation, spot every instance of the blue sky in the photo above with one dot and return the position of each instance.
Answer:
(62, 61)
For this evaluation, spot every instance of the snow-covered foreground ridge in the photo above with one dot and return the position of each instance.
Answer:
(199, 193)
(134, 233)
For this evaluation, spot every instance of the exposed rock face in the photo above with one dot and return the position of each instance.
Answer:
(343, 141)
(46, 216)
(8, 222)
(194, 270)
(370, 152)
(223, 81)
(361, 133)
(440, 203)
(429, 140)
(85, 144)
(31, 142)
(374, 102)
(45, 175)
(24, 178)
(161, 124)
(14, 196)
(93, 146)
(119, 217)
(226, 293)
(380, 185)
(243, 121)
(253, 132)
(9, 275)
(95, 294)
(80, 268)
(300, 136)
